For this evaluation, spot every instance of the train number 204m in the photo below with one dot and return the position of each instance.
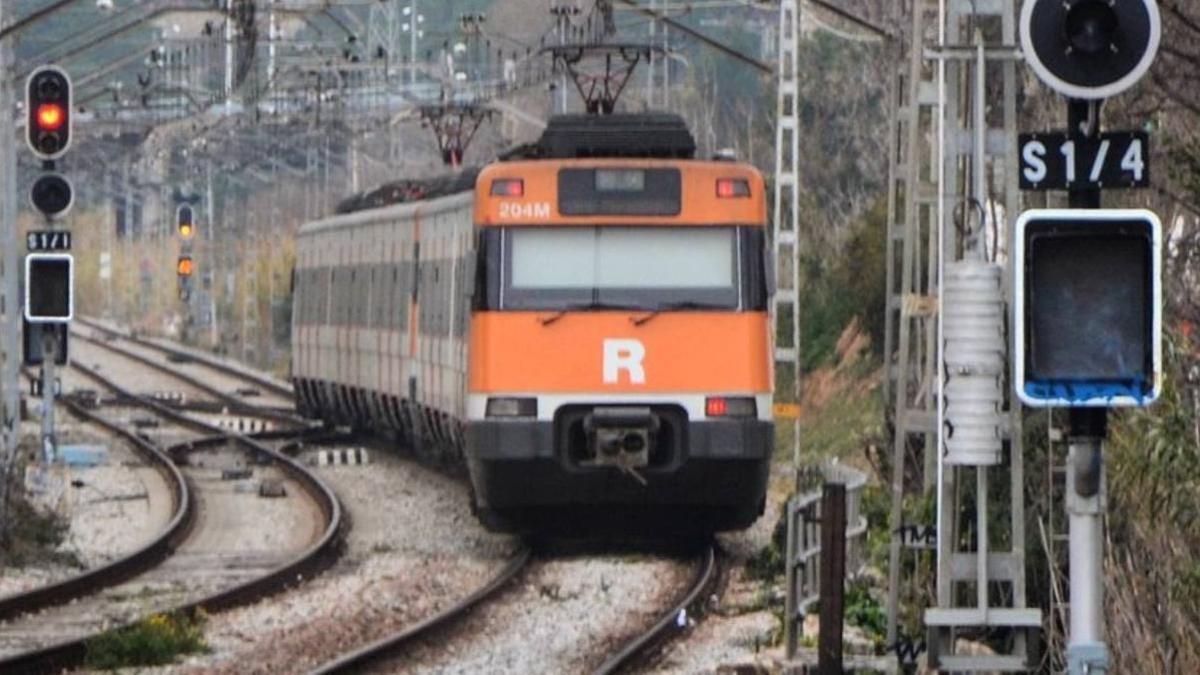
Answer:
(518, 211)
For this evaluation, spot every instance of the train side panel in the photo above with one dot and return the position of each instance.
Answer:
(378, 344)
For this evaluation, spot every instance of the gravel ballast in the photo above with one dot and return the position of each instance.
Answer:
(562, 616)
(413, 550)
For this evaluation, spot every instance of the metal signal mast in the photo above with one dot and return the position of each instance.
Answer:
(952, 193)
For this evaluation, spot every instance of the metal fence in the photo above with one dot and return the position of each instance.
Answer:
(803, 554)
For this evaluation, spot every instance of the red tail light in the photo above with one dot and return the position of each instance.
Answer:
(730, 188)
(730, 406)
(508, 187)
(715, 407)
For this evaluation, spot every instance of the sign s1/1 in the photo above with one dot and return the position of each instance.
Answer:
(1057, 161)
(47, 240)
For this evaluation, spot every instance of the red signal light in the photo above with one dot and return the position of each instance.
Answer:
(48, 112)
(50, 116)
(185, 266)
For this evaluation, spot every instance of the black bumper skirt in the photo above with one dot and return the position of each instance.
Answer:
(720, 477)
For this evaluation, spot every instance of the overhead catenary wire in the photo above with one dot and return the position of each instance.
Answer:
(711, 42)
(37, 15)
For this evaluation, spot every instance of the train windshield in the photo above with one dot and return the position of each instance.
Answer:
(622, 267)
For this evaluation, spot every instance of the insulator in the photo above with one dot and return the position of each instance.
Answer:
(974, 350)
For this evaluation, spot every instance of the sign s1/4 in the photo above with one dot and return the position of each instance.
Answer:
(1058, 161)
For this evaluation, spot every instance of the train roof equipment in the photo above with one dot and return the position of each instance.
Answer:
(641, 135)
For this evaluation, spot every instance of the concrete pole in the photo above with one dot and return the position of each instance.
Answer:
(109, 225)
(49, 353)
(652, 27)
(412, 41)
(228, 56)
(271, 30)
(562, 77)
(10, 269)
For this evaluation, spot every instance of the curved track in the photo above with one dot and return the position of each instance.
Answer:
(131, 564)
(381, 649)
(376, 655)
(641, 647)
(265, 576)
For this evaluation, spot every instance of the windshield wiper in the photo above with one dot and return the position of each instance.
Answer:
(671, 306)
(578, 307)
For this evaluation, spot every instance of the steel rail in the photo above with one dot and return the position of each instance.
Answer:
(315, 558)
(228, 399)
(132, 564)
(638, 648)
(216, 364)
(356, 660)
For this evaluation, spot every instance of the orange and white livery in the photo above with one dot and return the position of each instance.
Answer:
(591, 332)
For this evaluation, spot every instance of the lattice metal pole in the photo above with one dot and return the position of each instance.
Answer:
(978, 174)
(786, 301)
(911, 319)
(787, 217)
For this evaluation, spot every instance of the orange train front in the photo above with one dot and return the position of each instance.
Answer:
(617, 353)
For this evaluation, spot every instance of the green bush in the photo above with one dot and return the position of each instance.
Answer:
(769, 563)
(837, 286)
(31, 537)
(863, 611)
(154, 641)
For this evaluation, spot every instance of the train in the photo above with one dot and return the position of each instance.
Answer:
(585, 328)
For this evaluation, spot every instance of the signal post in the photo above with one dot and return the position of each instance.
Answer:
(185, 264)
(49, 267)
(1087, 321)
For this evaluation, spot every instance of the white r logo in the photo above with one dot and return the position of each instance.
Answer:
(624, 355)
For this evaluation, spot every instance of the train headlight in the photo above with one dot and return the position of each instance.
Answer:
(511, 407)
(730, 406)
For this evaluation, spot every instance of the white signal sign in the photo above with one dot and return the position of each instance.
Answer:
(1056, 161)
(49, 287)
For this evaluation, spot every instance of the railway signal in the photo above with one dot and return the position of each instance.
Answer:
(52, 195)
(1087, 292)
(184, 267)
(185, 219)
(49, 287)
(48, 106)
(1088, 322)
(1090, 49)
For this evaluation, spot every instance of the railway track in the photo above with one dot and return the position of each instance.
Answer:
(381, 649)
(641, 647)
(185, 552)
(429, 629)
(439, 629)
(132, 563)
(239, 390)
(230, 368)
